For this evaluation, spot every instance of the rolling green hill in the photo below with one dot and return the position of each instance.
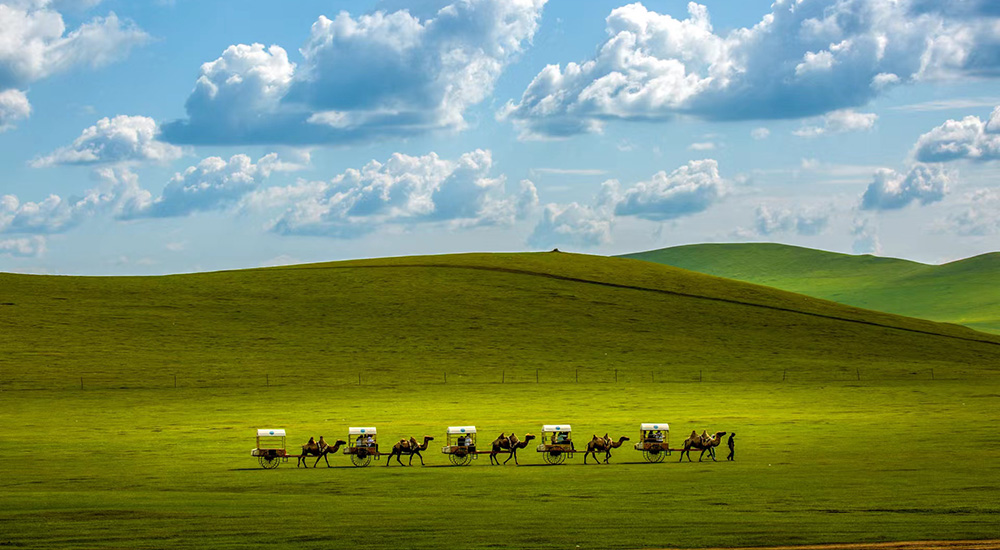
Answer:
(472, 315)
(963, 292)
(103, 451)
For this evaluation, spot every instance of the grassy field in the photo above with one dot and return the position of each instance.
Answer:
(962, 292)
(130, 461)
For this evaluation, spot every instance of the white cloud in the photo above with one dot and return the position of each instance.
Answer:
(570, 171)
(687, 190)
(14, 106)
(34, 45)
(376, 75)
(702, 146)
(403, 190)
(119, 139)
(804, 58)
(572, 225)
(117, 193)
(837, 122)
(866, 239)
(891, 190)
(785, 220)
(24, 247)
(760, 133)
(213, 184)
(969, 138)
(979, 215)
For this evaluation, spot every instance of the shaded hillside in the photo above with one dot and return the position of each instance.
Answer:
(963, 292)
(476, 317)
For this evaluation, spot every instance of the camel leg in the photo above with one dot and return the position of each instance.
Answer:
(702, 454)
(421, 457)
(607, 456)
(398, 456)
(711, 453)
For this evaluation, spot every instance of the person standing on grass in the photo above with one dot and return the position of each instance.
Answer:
(732, 447)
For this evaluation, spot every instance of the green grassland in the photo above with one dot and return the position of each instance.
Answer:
(963, 291)
(907, 452)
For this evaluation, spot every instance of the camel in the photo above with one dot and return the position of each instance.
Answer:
(603, 444)
(410, 448)
(327, 450)
(516, 444)
(703, 443)
(500, 444)
(311, 448)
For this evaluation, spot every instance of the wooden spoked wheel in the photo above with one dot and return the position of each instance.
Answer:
(361, 459)
(554, 457)
(460, 460)
(654, 455)
(269, 462)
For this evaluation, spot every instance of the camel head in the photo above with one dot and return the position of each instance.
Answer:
(340, 442)
(428, 438)
(528, 437)
(624, 438)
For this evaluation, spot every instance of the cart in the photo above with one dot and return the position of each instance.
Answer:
(270, 449)
(654, 441)
(362, 445)
(557, 443)
(461, 445)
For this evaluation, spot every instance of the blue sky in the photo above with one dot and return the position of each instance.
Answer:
(161, 137)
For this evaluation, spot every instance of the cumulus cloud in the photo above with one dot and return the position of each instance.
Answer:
(572, 225)
(760, 133)
(117, 193)
(804, 58)
(403, 190)
(970, 138)
(14, 106)
(866, 239)
(771, 221)
(978, 216)
(837, 122)
(687, 190)
(213, 184)
(34, 44)
(24, 247)
(382, 74)
(891, 190)
(119, 139)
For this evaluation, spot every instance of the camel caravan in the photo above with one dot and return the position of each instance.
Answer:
(555, 446)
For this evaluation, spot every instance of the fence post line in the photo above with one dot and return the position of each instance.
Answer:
(267, 380)
(858, 370)
(503, 376)
(446, 377)
(616, 376)
(536, 376)
(932, 374)
(81, 382)
(783, 373)
(175, 381)
(699, 376)
(359, 378)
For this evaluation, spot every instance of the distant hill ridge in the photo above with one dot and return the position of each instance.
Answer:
(963, 292)
(466, 318)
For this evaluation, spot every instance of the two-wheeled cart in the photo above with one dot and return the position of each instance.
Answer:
(270, 450)
(654, 441)
(557, 443)
(460, 445)
(362, 445)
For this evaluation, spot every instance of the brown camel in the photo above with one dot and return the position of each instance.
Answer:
(327, 450)
(311, 448)
(702, 443)
(516, 444)
(603, 444)
(500, 445)
(410, 448)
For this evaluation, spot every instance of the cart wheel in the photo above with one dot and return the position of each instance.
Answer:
(460, 460)
(269, 462)
(654, 456)
(361, 460)
(554, 457)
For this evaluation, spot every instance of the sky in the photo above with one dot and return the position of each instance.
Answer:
(175, 136)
